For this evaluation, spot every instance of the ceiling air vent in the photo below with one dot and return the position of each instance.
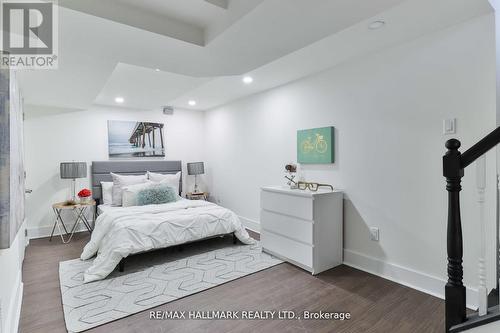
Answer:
(168, 110)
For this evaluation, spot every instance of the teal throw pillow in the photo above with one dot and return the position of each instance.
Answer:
(156, 194)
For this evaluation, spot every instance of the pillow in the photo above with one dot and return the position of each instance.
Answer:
(129, 197)
(120, 181)
(170, 180)
(107, 192)
(157, 194)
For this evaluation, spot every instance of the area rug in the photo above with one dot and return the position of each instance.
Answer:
(153, 279)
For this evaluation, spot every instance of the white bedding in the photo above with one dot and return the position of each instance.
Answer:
(128, 230)
(105, 208)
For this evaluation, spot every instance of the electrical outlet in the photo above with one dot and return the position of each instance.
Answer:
(374, 234)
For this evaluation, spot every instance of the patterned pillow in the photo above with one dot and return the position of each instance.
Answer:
(156, 194)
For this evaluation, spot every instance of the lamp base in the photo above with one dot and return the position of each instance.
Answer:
(72, 201)
(195, 185)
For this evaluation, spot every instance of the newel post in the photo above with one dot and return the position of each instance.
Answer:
(454, 290)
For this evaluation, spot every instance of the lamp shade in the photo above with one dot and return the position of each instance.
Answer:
(196, 168)
(72, 170)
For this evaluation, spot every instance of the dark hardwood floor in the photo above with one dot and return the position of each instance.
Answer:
(375, 304)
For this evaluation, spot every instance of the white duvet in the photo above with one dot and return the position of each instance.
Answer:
(125, 231)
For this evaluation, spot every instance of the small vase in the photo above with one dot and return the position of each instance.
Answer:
(84, 200)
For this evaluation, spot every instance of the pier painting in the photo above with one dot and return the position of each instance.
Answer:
(131, 139)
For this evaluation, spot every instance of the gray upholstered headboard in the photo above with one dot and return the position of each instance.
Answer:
(101, 171)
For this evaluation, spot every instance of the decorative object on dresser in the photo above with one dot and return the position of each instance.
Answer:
(291, 170)
(73, 170)
(316, 146)
(303, 227)
(80, 212)
(196, 168)
(197, 196)
(313, 186)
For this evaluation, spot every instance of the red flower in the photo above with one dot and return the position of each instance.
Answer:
(84, 193)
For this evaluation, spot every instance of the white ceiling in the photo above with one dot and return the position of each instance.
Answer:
(200, 13)
(276, 41)
(145, 88)
(192, 21)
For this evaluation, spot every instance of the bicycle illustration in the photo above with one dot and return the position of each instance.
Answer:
(319, 144)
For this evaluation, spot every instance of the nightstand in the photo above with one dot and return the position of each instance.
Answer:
(197, 196)
(79, 210)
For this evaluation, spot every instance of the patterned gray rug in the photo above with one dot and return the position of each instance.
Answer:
(154, 279)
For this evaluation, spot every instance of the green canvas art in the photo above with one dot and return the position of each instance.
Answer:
(316, 146)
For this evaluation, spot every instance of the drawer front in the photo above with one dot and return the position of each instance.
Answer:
(288, 226)
(292, 205)
(287, 248)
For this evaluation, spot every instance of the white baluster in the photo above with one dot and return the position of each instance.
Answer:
(498, 254)
(481, 185)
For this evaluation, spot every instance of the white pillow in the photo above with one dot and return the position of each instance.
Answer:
(170, 180)
(130, 192)
(120, 181)
(107, 192)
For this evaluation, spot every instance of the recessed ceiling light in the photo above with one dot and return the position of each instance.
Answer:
(157, 70)
(376, 25)
(119, 100)
(247, 79)
(192, 102)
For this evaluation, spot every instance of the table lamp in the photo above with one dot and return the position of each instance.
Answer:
(196, 168)
(73, 170)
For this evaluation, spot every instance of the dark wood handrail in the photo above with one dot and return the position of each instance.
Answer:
(480, 148)
(454, 164)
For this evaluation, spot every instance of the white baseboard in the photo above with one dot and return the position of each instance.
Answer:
(14, 308)
(44, 231)
(406, 276)
(250, 224)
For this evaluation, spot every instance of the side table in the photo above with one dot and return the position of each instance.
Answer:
(80, 212)
(197, 196)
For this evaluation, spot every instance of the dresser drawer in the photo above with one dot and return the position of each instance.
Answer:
(301, 207)
(287, 248)
(288, 226)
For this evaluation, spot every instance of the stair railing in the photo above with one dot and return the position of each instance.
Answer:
(454, 164)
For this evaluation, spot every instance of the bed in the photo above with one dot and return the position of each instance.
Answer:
(123, 231)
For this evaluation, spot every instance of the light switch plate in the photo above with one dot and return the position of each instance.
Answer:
(449, 126)
(374, 234)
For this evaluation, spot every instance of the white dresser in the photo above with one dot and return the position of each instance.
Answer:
(302, 227)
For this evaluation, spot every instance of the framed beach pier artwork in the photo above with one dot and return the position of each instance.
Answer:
(316, 145)
(133, 139)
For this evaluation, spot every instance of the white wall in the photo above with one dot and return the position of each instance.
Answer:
(387, 109)
(82, 136)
